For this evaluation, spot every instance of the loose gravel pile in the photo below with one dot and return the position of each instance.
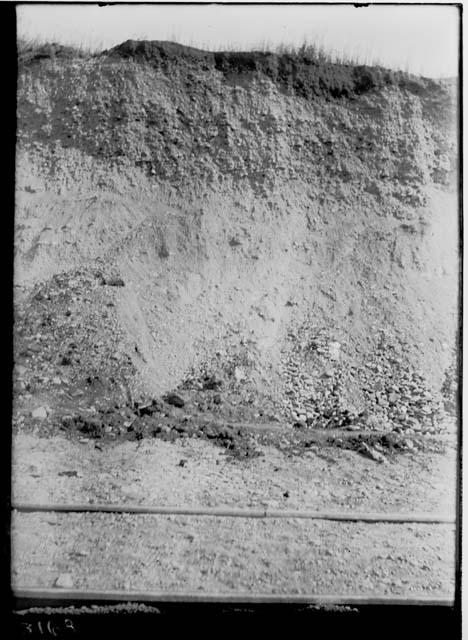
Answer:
(328, 388)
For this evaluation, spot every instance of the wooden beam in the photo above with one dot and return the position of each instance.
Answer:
(223, 512)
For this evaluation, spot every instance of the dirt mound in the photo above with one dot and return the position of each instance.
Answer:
(306, 72)
(278, 222)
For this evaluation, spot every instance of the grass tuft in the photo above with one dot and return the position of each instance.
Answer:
(32, 50)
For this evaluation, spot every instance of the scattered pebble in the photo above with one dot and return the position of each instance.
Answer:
(40, 413)
(64, 581)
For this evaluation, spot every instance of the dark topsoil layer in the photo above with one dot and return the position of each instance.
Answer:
(175, 416)
(305, 73)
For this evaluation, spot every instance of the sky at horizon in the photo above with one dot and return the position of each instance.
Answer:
(421, 39)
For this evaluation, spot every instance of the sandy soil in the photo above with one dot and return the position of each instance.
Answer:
(108, 551)
(230, 554)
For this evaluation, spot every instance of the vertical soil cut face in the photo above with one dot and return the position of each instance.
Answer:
(243, 247)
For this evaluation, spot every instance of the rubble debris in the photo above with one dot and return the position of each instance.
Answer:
(324, 386)
(174, 399)
(40, 413)
(371, 453)
(239, 374)
(334, 391)
(113, 282)
(211, 382)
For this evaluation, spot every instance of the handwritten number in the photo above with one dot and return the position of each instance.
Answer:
(69, 624)
(51, 629)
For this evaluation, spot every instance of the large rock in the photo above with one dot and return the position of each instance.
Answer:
(40, 413)
(174, 400)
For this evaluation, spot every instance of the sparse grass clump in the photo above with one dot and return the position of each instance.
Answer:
(30, 51)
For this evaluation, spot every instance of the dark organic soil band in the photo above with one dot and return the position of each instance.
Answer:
(431, 518)
(65, 595)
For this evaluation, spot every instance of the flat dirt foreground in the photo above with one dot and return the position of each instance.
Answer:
(178, 553)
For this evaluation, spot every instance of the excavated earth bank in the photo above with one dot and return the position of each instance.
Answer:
(257, 230)
(256, 250)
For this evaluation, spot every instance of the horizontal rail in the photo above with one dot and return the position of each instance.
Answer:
(432, 518)
(65, 595)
